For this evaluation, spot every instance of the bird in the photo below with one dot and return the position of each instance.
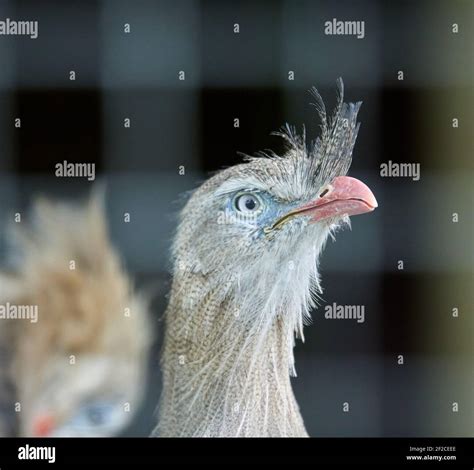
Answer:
(246, 277)
(77, 367)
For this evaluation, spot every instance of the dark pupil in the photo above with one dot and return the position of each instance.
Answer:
(250, 204)
(95, 416)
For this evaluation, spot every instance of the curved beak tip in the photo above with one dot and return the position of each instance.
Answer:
(344, 196)
(347, 196)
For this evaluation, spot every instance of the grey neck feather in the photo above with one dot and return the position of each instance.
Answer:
(221, 379)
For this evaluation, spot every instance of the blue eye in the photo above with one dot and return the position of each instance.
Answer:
(94, 415)
(248, 203)
(97, 415)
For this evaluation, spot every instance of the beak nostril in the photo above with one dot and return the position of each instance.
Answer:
(327, 189)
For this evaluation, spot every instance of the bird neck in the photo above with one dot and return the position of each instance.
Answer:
(222, 376)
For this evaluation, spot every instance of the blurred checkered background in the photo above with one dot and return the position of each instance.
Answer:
(191, 122)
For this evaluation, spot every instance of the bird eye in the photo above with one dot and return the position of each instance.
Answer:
(94, 415)
(100, 418)
(248, 203)
(97, 415)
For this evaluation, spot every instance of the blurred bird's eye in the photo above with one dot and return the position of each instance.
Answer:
(94, 415)
(97, 415)
(99, 418)
(247, 202)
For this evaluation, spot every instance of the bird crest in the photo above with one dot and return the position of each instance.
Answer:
(330, 154)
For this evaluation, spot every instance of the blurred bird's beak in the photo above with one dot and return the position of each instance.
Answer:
(344, 196)
(43, 426)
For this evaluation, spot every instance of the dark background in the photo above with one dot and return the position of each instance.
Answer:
(190, 123)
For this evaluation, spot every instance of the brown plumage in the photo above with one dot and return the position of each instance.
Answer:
(83, 360)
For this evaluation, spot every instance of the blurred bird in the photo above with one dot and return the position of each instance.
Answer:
(79, 369)
(246, 278)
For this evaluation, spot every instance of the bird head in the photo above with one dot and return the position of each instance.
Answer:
(88, 399)
(79, 367)
(256, 230)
